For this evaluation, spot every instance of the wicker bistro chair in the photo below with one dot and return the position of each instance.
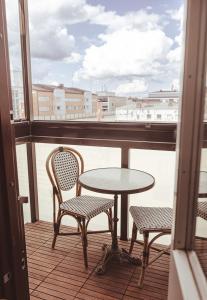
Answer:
(148, 220)
(202, 210)
(202, 213)
(64, 165)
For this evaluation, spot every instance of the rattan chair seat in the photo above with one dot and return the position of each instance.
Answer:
(202, 209)
(152, 218)
(87, 206)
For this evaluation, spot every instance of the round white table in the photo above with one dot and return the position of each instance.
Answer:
(115, 181)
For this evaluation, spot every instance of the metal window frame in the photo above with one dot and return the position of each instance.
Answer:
(10, 204)
(191, 132)
(122, 135)
(190, 125)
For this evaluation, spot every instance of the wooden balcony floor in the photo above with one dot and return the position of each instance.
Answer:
(60, 273)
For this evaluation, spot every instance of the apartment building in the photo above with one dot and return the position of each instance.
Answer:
(159, 106)
(59, 102)
(109, 101)
(17, 94)
(42, 100)
(155, 113)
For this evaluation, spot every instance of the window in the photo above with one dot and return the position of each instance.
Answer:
(76, 50)
(43, 98)
(73, 99)
(13, 28)
(42, 108)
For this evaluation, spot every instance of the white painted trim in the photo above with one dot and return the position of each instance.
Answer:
(186, 281)
(183, 285)
(198, 274)
(190, 125)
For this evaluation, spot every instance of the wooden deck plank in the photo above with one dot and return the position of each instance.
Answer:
(60, 273)
(201, 250)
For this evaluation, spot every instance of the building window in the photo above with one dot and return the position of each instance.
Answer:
(159, 116)
(114, 82)
(148, 116)
(43, 98)
(43, 108)
(73, 99)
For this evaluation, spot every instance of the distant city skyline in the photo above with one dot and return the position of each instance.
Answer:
(129, 47)
(51, 102)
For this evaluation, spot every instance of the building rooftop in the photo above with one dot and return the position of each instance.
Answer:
(51, 88)
(161, 106)
(164, 94)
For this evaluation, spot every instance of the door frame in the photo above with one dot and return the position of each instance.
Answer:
(10, 204)
(184, 261)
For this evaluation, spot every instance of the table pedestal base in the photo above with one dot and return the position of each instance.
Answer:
(118, 254)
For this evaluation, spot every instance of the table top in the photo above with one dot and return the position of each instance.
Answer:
(116, 180)
(202, 191)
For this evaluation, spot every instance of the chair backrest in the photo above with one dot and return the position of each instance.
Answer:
(64, 165)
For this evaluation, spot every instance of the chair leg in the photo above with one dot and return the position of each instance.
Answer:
(110, 222)
(133, 239)
(148, 255)
(144, 259)
(84, 242)
(78, 228)
(56, 227)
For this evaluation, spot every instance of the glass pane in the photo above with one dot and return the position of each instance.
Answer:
(94, 157)
(201, 222)
(106, 60)
(13, 27)
(22, 169)
(160, 164)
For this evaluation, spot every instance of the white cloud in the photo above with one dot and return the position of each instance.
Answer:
(140, 19)
(54, 44)
(50, 22)
(73, 58)
(131, 45)
(62, 11)
(54, 83)
(177, 14)
(175, 84)
(174, 56)
(41, 70)
(133, 87)
(126, 53)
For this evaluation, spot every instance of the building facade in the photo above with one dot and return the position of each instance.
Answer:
(17, 94)
(109, 101)
(159, 106)
(59, 102)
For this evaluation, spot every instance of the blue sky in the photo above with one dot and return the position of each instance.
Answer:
(130, 47)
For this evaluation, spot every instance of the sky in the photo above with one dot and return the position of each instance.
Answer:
(130, 47)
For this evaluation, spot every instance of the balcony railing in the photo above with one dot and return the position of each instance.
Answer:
(123, 136)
